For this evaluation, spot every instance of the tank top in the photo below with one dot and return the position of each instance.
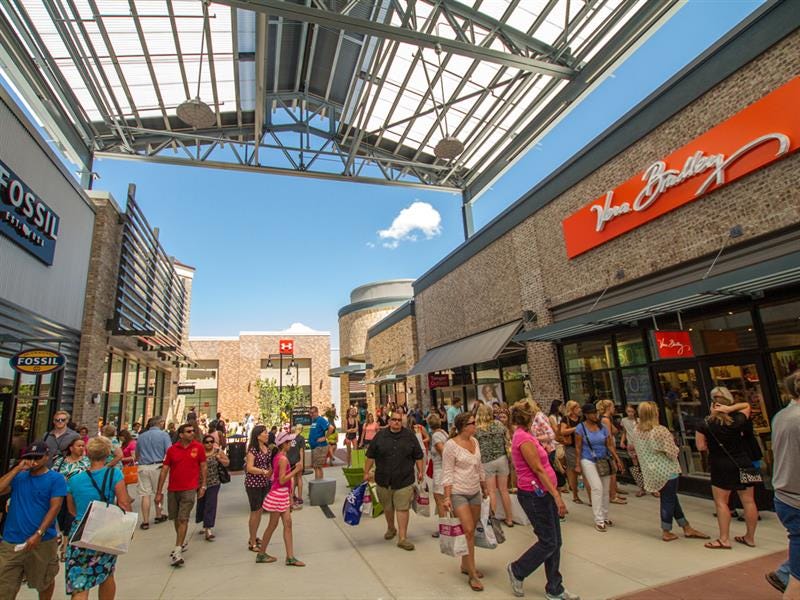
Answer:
(276, 474)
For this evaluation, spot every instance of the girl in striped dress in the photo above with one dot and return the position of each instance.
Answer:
(278, 502)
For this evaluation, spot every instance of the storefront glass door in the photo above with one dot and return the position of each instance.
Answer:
(684, 410)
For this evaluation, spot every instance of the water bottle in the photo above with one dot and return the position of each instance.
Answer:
(537, 489)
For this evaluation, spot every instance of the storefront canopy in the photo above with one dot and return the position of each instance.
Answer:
(348, 369)
(747, 281)
(386, 378)
(477, 348)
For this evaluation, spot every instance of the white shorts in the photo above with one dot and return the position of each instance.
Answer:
(148, 479)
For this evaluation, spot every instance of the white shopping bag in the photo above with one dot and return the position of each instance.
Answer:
(421, 504)
(452, 540)
(366, 505)
(105, 528)
(484, 534)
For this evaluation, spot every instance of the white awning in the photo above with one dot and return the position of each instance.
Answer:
(477, 348)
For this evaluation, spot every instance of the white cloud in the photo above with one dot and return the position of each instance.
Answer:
(418, 218)
(370, 245)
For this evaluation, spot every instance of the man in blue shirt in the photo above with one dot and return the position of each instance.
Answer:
(317, 441)
(29, 548)
(452, 411)
(151, 448)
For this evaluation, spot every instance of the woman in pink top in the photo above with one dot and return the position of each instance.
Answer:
(368, 431)
(539, 497)
(464, 483)
(278, 502)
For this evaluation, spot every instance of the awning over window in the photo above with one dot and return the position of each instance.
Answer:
(477, 348)
(747, 281)
(386, 378)
(348, 369)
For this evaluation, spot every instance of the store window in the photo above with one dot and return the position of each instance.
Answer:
(515, 374)
(631, 349)
(782, 324)
(729, 332)
(594, 386)
(637, 386)
(588, 355)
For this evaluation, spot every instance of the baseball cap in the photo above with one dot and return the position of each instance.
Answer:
(36, 450)
(284, 436)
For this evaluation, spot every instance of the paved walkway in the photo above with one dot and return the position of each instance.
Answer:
(355, 562)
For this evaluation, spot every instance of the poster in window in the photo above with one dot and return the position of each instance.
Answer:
(489, 394)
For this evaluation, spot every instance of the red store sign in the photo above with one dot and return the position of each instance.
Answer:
(437, 381)
(762, 133)
(673, 344)
(286, 347)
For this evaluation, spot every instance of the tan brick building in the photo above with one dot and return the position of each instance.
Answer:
(369, 304)
(716, 274)
(227, 369)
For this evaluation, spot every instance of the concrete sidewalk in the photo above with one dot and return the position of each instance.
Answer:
(356, 562)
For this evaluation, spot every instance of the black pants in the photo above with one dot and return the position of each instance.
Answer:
(543, 515)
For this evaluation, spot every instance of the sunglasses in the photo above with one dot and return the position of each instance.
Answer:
(60, 420)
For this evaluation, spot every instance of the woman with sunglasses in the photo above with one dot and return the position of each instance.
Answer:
(206, 512)
(258, 470)
(464, 482)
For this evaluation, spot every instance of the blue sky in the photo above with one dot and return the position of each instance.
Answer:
(272, 250)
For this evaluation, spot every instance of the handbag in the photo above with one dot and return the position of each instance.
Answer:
(131, 474)
(603, 464)
(484, 533)
(105, 527)
(452, 540)
(421, 503)
(747, 475)
(224, 474)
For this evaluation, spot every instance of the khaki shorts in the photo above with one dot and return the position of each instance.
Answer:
(318, 456)
(396, 499)
(148, 479)
(39, 566)
(180, 504)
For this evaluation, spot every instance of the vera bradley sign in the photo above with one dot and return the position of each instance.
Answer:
(762, 133)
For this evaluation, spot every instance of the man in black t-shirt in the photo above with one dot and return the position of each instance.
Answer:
(394, 451)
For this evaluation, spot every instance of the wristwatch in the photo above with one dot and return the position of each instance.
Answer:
(40, 532)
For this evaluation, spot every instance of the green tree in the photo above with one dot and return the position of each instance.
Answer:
(275, 404)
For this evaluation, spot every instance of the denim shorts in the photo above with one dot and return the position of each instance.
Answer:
(461, 499)
(498, 466)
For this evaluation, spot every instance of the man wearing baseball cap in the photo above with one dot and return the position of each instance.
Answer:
(29, 548)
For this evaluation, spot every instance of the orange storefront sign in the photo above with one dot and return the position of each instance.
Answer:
(762, 133)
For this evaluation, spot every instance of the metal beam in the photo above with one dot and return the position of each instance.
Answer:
(407, 36)
(169, 160)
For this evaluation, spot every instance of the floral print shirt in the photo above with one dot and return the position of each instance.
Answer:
(69, 469)
(543, 432)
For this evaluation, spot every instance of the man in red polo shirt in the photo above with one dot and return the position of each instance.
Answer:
(185, 463)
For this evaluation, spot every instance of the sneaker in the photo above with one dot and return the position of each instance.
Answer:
(175, 559)
(405, 545)
(565, 595)
(516, 584)
(775, 581)
(390, 533)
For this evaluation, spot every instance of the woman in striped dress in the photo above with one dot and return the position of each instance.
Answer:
(278, 502)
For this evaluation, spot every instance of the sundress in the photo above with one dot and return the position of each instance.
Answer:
(278, 499)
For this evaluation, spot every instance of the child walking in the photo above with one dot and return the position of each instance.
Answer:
(278, 502)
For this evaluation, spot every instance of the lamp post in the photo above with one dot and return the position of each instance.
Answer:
(280, 358)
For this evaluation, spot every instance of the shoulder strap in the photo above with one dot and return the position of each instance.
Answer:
(716, 439)
(586, 432)
(103, 497)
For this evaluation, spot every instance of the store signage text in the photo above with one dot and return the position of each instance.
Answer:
(25, 218)
(437, 381)
(764, 132)
(673, 344)
(38, 361)
(286, 347)
(186, 389)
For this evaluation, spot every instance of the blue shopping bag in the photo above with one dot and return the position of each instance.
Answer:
(351, 511)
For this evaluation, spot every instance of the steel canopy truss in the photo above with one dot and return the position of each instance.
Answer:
(358, 90)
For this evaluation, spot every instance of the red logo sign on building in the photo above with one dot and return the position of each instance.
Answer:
(286, 347)
(673, 344)
(437, 381)
(762, 133)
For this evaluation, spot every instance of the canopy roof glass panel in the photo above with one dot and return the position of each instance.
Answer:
(347, 89)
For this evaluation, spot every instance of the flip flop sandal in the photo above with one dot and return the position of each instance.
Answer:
(618, 500)
(265, 558)
(161, 519)
(716, 545)
(640, 493)
(475, 585)
(144, 526)
(577, 501)
(697, 536)
(293, 562)
(669, 538)
(254, 547)
(740, 539)
(478, 573)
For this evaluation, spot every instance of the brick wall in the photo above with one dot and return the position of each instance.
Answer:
(393, 350)
(527, 269)
(240, 365)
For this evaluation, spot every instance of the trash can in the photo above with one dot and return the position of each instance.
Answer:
(236, 452)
